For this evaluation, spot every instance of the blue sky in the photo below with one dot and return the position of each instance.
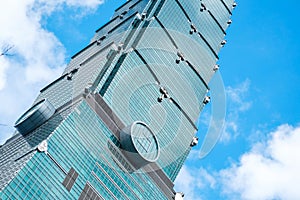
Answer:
(256, 156)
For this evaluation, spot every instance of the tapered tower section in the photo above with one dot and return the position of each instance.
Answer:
(121, 120)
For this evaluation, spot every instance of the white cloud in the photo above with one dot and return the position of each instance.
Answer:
(38, 55)
(86, 3)
(3, 68)
(269, 171)
(192, 181)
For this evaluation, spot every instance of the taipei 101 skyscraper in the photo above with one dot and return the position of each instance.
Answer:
(122, 118)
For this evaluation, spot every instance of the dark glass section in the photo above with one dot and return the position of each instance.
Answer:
(70, 179)
(89, 193)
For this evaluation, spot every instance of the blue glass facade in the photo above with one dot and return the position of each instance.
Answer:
(144, 75)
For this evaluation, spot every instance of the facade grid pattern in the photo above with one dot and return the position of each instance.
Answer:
(145, 65)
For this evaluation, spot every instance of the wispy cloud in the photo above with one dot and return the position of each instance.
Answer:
(237, 103)
(38, 55)
(238, 94)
